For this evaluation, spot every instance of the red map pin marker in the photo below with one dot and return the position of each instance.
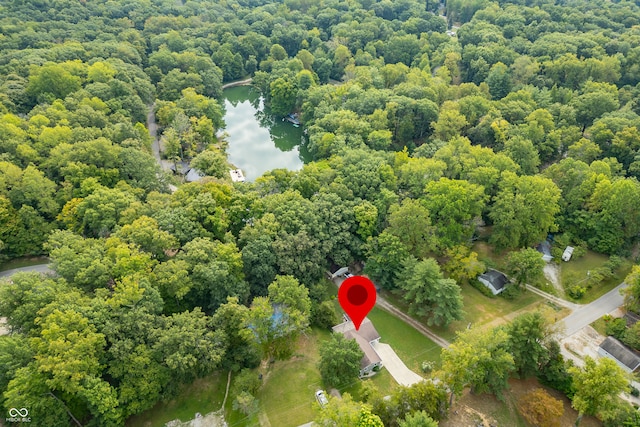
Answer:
(357, 296)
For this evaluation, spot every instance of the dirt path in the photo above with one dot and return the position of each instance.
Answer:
(226, 393)
(561, 302)
(552, 273)
(156, 146)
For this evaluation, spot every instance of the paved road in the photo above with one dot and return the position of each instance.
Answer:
(40, 268)
(591, 312)
(395, 365)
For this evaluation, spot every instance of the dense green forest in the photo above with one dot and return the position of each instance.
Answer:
(520, 122)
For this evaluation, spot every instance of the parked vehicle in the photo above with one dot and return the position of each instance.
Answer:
(321, 397)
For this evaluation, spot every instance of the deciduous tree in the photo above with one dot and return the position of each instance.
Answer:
(430, 294)
(541, 409)
(340, 361)
(525, 265)
(411, 223)
(597, 386)
(453, 205)
(418, 419)
(479, 359)
(528, 336)
(385, 261)
(524, 210)
(346, 412)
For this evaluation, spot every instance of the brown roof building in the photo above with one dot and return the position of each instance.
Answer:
(365, 336)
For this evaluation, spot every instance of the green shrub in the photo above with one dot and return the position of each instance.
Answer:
(614, 262)
(246, 381)
(482, 288)
(511, 292)
(617, 328)
(427, 366)
(324, 315)
(576, 291)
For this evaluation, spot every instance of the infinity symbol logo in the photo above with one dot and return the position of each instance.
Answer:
(22, 412)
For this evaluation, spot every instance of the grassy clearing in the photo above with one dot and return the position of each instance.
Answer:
(412, 347)
(575, 272)
(601, 326)
(203, 395)
(383, 381)
(479, 310)
(287, 395)
(487, 255)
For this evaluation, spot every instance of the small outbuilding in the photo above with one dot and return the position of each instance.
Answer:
(566, 255)
(545, 249)
(495, 280)
(628, 359)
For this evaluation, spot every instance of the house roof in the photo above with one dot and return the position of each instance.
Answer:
(370, 356)
(631, 318)
(497, 279)
(193, 175)
(622, 353)
(366, 331)
(364, 336)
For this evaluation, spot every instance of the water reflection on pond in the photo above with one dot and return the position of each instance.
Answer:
(258, 141)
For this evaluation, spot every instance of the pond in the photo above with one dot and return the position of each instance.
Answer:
(258, 141)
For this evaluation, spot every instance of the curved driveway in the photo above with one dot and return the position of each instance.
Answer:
(40, 268)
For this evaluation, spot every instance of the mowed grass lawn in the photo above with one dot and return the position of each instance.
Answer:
(479, 310)
(287, 394)
(412, 347)
(204, 395)
(575, 271)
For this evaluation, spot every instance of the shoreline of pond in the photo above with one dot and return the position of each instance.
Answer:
(257, 140)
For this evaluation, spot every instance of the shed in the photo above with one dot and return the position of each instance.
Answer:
(545, 249)
(566, 255)
(495, 280)
(628, 359)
